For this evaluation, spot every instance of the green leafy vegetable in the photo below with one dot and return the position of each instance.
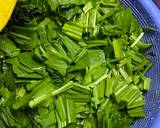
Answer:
(73, 64)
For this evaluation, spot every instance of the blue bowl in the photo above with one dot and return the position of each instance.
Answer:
(148, 15)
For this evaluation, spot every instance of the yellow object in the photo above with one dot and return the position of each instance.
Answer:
(6, 9)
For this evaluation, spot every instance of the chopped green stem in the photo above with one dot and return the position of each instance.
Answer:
(43, 97)
(109, 86)
(61, 110)
(147, 83)
(125, 75)
(71, 116)
(81, 55)
(137, 40)
(103, 77)
(117, 49)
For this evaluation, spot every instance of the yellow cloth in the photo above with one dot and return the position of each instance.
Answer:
(6, 9)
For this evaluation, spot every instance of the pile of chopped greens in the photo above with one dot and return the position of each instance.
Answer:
(73, 64)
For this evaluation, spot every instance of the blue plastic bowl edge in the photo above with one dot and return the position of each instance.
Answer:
(153, 11)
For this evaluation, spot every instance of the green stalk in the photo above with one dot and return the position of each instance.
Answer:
(61, 110)
(137, 40)
(81, 55)
(81, 88)
(109, 86)
(103, 77)
(41, 98)
(125, 75)
(102, 89)
(136, 112)
(58, 120)
(139, 102)
(117, 49)
(71, 115)
(147, 83)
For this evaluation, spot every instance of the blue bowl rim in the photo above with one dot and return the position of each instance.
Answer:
(153, 11)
